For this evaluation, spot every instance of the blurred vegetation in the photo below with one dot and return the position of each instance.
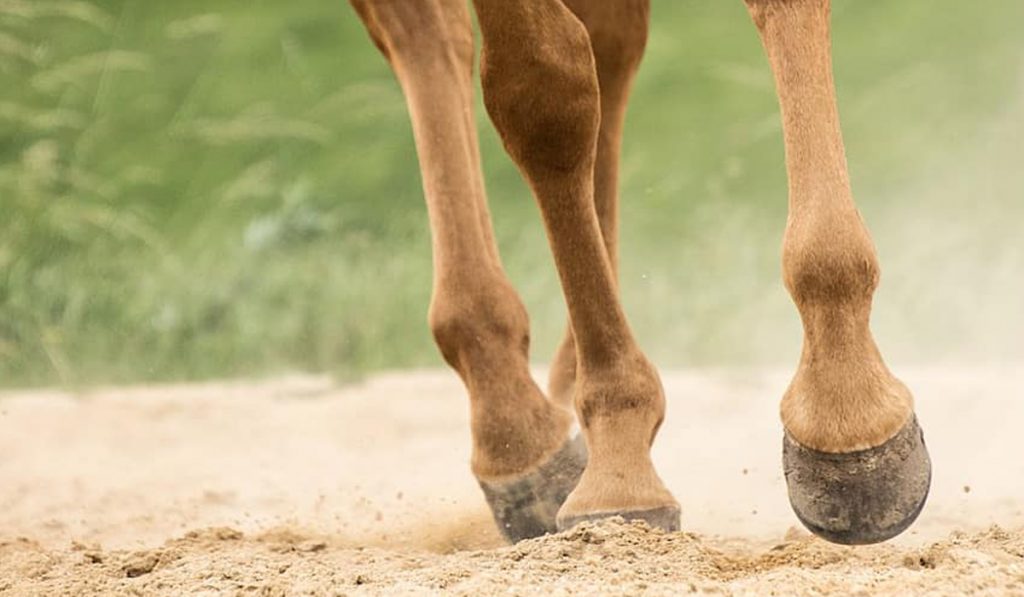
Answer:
(209, 188)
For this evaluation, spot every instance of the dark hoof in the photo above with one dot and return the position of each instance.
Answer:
(665, 518)
(527, 507)
(859, 497)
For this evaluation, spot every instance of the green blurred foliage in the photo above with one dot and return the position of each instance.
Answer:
(195, 189)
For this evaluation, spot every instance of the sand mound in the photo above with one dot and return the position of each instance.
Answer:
(611, 557)
(305, 488)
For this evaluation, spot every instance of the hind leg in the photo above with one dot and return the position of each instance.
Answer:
(618, 34)
(541, 90)
(522, 455)
(854, 457)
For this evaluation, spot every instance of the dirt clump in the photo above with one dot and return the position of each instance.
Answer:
(298, 486)
(611, 557)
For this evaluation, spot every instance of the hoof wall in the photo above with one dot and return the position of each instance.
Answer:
(665, 518)
(527, 507)
(860, 497)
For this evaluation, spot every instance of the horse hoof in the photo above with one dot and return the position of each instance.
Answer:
(526, 507)
(860, 497)
(665, 518)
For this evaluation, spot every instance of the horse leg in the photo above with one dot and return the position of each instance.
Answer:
(541, 90)
(618, 35)
(521, 455)
(854, 456)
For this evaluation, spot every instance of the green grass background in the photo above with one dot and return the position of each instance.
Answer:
(197, 189)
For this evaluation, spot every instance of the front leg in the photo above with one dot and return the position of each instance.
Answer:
(854, 456)
(541, 90)
(522, 456)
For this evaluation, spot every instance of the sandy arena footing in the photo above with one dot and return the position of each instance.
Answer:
(295, 486)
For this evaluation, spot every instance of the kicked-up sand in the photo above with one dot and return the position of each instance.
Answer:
(295, 486)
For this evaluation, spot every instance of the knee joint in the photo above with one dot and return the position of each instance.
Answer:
(546, 108)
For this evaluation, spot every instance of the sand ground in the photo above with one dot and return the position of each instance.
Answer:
(296, 486)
